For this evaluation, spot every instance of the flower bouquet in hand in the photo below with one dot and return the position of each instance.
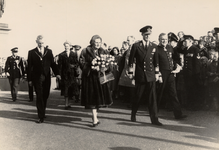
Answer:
(102, 64)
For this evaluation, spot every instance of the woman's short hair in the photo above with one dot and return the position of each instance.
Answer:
(112, 51)
(94, 38)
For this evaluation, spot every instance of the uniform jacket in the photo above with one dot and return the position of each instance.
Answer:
(191, 61)
(146, 61)
(38, 65)
(14, 66)
(165, 55)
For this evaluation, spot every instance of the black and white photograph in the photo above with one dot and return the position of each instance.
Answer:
(109, 75)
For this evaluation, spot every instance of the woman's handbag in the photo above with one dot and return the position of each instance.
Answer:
(106, 77)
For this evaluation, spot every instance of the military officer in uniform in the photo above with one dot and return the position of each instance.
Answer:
(191, 70)
(146, 73)
(168, 67)
(14, 70)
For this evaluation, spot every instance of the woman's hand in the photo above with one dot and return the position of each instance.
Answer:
(103, 69)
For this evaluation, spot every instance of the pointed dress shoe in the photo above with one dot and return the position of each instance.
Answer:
(133, 118)
(40, 121)
(181, 117)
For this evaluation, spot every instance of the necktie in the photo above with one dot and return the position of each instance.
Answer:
(146, 47)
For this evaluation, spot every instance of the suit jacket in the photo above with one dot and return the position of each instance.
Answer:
(38, 64)
(146, 62)
(14, 66)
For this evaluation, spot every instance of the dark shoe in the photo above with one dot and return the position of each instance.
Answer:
(157, 123)
(133, 118)
(95, 124)
(181, 117)
(67, 107)
(77, 100)
(40, 121)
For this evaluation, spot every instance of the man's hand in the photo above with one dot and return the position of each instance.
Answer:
(157, 77)
(216, 79)
(178, 69)
(30, 83)
(59, 77)
(7, 74)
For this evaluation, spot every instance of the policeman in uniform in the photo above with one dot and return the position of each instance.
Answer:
(168, 67)
(191, 71)
(146, 73)
(14, 70)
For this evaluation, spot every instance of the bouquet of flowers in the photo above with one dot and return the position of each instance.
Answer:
(101, 64)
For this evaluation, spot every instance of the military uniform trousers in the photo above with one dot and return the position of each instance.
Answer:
(14, 82)
(169, 86)
(146, 91)
(42, 89)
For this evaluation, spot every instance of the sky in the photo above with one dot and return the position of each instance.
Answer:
(78, 20)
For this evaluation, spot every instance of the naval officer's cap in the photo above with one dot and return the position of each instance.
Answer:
(172, 37)
(146, 30)
(14, 50)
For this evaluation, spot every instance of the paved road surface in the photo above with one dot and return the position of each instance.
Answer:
(71, 129)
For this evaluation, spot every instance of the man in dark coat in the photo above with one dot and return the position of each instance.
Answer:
(191, 70)
(40, 59)
(146, 73)
(166, 66)
(14, 70)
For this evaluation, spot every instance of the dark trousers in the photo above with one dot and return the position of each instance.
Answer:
(169, 86)
(191, 90)
(30, 92)
(42, 89)
(14, 82)
(146, 92)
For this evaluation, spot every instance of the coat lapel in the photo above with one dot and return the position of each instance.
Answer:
(90, 52)
(45, 52)
(141, 48)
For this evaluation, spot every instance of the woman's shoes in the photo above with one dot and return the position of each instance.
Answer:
(96, 124)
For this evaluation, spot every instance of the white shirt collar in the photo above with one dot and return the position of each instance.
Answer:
(42, 50)
(144, 43)
(189, 47)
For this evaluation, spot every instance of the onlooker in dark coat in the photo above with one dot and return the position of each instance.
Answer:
(68, 64)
